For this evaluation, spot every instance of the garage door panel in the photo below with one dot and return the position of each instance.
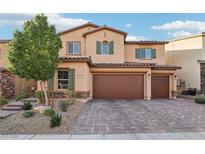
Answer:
(118, 86)
(160, 86)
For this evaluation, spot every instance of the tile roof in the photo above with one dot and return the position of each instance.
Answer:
(201, 61)
(75, 59)
(78, 27)
(162, 67)
(146, 42)
(117, 65)
(127, 64)
(105, 27)
(5, 41)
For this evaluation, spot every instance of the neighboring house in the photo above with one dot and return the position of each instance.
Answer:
(189, 53)
(10, 85)
(97, 62)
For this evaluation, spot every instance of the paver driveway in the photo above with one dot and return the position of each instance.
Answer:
(140, 116)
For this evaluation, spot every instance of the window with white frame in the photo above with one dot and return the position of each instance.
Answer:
(73, 47)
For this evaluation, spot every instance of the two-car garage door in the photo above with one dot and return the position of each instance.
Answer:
(128, 86)
(118, 86)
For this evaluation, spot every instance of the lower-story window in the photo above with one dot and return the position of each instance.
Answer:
(66, 79)
(63, 79)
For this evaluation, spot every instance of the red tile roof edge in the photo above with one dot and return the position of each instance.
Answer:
(147, 42)
(105, 27)
(87, 59)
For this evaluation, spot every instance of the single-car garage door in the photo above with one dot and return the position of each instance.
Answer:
(118, 86)
(160, 86)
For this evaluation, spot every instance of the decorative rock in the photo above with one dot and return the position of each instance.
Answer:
(41, 109)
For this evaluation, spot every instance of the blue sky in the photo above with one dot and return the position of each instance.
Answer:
(138, 26)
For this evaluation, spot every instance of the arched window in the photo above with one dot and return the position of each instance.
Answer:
(105, 47)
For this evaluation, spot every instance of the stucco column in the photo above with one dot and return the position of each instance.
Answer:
(148, 85)
(0, 83)
(174, 84)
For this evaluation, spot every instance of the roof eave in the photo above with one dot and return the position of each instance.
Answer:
(78, 27)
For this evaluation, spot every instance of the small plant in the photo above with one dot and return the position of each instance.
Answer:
(63, 105)
(40, 96)
(28, 114)
(200, 99)
(27, 106)
(22, 96)
(55, 120)
(3, 101)
(49, 112)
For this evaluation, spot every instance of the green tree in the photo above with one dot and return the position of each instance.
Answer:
(33, 52)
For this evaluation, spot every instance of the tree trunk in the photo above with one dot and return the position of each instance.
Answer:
(42, 97)
(45, 93)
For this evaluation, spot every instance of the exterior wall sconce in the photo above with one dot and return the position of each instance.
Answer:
(175, 76)
(149, 75)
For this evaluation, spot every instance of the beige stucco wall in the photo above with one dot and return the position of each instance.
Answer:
(76, 35)
(185, 44)
(82, 76)
(185, 53)
(105, 35)
(187, 59)
(4, 62)
(130, 53)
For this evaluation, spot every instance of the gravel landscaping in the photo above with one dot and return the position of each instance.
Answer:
(39, 123)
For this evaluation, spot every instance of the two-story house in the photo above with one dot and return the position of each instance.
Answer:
(10, 84)
(97, 62)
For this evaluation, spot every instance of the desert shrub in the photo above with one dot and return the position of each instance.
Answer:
(55, 120)
(28, 114)
(63, 105)
(49, 112)
(3, 101)
(23, 95)
(27, 105)
(40, 96)
(200, 99)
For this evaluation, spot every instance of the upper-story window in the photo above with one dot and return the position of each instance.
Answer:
(73, 48)
(145, 53)
(105, 47)
(0, 53)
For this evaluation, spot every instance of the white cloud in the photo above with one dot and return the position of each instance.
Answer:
(135, 38)
(179, 34)
(181, 25)
(61, 22)
(128, 25)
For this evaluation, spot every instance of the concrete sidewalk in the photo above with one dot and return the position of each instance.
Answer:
(146, 136)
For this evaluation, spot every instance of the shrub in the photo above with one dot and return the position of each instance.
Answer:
(63, 105)
(27, 106)
(28, 114)
(200, 99)
(40, 96)
(49, 112)
(22, 96)
(55, 120)
(3, 101)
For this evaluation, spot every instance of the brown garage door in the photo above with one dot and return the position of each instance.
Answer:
(160, 87)
(118, 86)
